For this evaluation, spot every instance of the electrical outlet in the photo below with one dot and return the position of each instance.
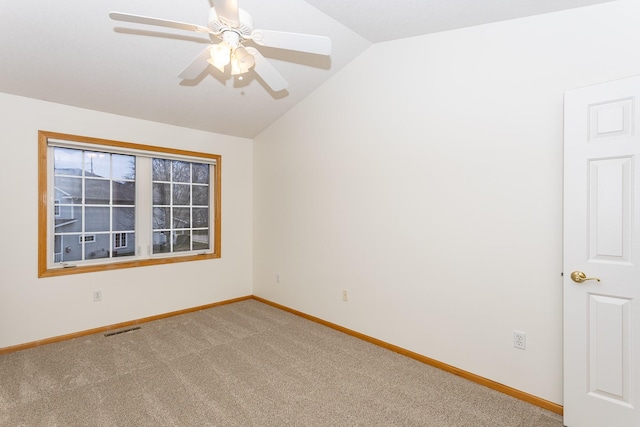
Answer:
(519, 340)
(97, 295)
(277, 277)
(345, 295)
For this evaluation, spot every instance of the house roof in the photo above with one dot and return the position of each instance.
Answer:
(99, 189)
(71, 53)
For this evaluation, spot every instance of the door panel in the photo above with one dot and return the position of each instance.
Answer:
(609, 235)
(609, 349)
(601, 239)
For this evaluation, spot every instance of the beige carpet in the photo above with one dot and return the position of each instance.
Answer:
(243, 364)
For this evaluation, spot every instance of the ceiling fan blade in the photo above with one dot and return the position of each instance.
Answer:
(139, 19)
(293, 41)
(267, 72)
(197, 66)
(227, 11)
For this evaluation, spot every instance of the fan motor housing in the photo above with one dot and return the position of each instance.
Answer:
(244, 28)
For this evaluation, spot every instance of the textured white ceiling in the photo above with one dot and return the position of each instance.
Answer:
(70, 52)
(380, 20)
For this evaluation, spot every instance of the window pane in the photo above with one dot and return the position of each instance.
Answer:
(96, 192)
(123, 167)
(200, 240)
(181, 171)
(181, 218)
(124, 193)
(124, 219)
(97, 164)
(161, 242)
(200, 173)
(67, 161)
(98, 249)
(68, 190)
(182, 242)
(70, 223)
(200, 195)
(161, 218)
(67, 248)
(97, 219)
(181, 205)
(161, 194)
(181, 194)
(161, 169)
(83, 179)
(124, 244)
(200, 217)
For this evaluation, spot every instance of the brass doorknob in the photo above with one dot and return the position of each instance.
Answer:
(579, 277)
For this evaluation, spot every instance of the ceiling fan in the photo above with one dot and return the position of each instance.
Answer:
(228, 28)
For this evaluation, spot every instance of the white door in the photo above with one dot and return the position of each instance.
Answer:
(602, 240)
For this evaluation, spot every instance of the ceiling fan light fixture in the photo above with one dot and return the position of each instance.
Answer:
(220, 54)
(244, 58)
(219, 67)
(235, 68)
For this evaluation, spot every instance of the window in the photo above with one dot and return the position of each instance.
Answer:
(87, 238)
(119, 240)
(180, 205)
(108, 204)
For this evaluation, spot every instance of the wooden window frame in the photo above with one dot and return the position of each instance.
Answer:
(45, 201)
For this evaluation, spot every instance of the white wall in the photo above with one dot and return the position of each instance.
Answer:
(426, 178)
(32, 308)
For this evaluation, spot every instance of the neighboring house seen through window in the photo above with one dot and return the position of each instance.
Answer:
(96, 192)
(108, 203)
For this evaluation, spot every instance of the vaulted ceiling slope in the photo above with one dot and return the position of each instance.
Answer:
(71, 52)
